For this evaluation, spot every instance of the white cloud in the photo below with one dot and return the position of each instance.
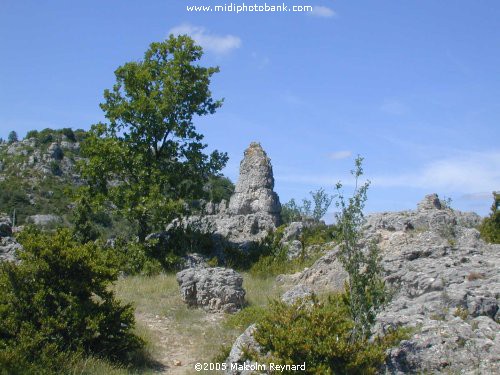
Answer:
(322, 11)
(338, 155)
(468, 172)
(394, 107)
(210, 42)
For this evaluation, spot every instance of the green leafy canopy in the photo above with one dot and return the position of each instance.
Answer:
(149, 156)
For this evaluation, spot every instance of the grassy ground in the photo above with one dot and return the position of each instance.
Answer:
(179, 337)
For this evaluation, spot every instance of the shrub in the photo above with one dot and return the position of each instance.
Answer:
(490, 227)
(57, 300)
(32, 134)
(291, 211)
(319, 334)
(132, 257)
(319, 234)
(218, 188)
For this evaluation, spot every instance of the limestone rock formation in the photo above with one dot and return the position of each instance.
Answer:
(245, 342)
(8, 245)
(254, 209)
(254, 189)
(213, 289)
(445, 284)
(44, 220)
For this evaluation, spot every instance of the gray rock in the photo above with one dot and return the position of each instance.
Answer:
(430, 202)
(326, 274)
(253, 210)
(213, 289)
(254, 189)
(293, 230)
(244, 343)
(5, 226)
(44, 220)
(55, 151)
(445, 284)
(194, 260)
(294, 249)
(8, 249)
(297, 292)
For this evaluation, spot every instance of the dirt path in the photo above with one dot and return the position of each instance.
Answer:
(177, 348)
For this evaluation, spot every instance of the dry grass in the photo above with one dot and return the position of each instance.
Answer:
(178, 333)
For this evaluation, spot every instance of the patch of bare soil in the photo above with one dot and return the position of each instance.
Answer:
(176, 348)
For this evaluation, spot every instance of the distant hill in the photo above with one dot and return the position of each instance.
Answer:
(38, 174)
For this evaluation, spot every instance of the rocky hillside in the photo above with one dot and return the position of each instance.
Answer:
(36, 174)
(445, 284)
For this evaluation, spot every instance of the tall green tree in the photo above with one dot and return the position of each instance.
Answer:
(12, 137)
(149, 157)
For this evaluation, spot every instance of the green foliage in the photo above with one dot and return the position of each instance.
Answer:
(319, 234)
(69, 134)
(365, 289)
(163, 253)
(149, 157)
(321, 335)
(55, 168)
(322, 202)
(490, 227)
(244, 318)
(57, 300)
(290, 212)
(12, 137)
(314, 209)
(32, 134)
(84, 229)
(219, 188)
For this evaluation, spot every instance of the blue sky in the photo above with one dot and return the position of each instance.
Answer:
(412, 86)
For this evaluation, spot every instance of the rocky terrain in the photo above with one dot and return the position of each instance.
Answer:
(8, 244)
(35, 175)
(445, 284)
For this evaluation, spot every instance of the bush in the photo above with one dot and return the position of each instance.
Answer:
(490, 227)
(319, 334)
(57, 300)
(291, 211)
(319, 234)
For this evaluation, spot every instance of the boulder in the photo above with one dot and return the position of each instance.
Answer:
(237, 358)
(44, 220)
(8, 249)
(213, 289)
(5, 226)
(299, 291)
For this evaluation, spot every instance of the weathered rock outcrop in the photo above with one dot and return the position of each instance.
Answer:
(213, 289)
(254, 209)
(254, 189)
(8, 245)
(44, 220)
(445, 284)
(244, 343)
